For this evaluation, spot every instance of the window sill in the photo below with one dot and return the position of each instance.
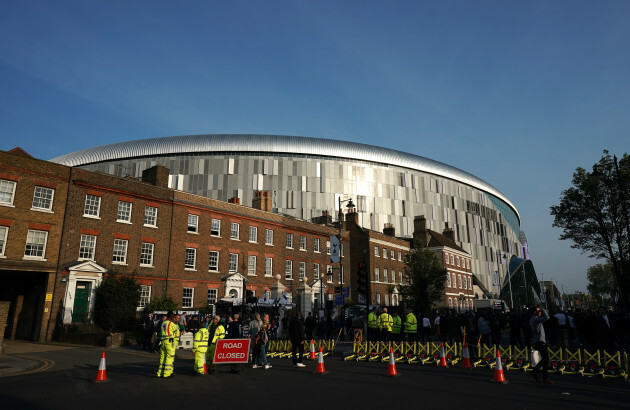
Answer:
(251, 274)
(302, 250)
(269, 244)
(213, 270)
(215, 235)
(44, 210)
(91, 216)
(191, 269)
(7, 205)
(193, 232)
(121, 221)
(34, 258)
(235, 239)
(119, 263)
(150, 226)
(147, 266)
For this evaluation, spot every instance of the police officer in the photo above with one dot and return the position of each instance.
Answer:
(396, 327)
(385, 322)
(200, 346)
(170, 340)
(411, 327)
(372, 325)
(216, 332)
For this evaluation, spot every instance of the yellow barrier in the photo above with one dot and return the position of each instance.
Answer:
(519, 358)
(487, 356)
(555, 361)
(612, 365)
(592, 364)
(572, 362)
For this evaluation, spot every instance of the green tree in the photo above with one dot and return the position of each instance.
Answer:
(593, 214)
(116, 301)
(601, 283)
(165, 304)
(425, 279)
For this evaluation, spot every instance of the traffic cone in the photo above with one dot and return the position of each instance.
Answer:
(312, 356)
(320, 363)
(205, 369)
(442, 362)
(466, 363)
(391, 369)
(498, 370)
(101, 377)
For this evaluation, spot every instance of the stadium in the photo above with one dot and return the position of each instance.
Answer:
(308, 176)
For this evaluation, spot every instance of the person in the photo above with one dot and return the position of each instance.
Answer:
(233, 329)
(426, 328)
(149, 326)
(539, 341)
(200, 347)
(170, 340)
(309, 325)
(562, 331)
(193, 325)
(484, 329)
(411, 327)
(216, 332)
(158, 336)
(207, 322)
(396, 327)
(183, 320)
(254, 328)
(259, 350)
(321, 328)
(296, 335)
(606, 331)
(385, 322)
(372, 325)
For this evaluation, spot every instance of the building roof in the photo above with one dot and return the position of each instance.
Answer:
(438, 239)
(274, 144)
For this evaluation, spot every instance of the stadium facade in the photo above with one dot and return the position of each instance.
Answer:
(308, 176)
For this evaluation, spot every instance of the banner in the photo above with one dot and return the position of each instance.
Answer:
(334, 249)
(231, 351)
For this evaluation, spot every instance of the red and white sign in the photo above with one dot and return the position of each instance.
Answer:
(232, 351)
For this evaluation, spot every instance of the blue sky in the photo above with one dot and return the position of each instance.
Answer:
(518, 93)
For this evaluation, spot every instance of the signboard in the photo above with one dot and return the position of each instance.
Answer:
(48, 297)
(334, 249)
(339, 300)
(231, 351)
(346, 291)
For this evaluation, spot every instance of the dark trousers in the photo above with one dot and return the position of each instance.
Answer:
(297, 350)
(544, 362)
(146, 342)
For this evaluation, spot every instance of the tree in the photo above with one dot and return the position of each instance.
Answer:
(116, 301)
(602, 285)
(165, 304)
(425, 279)
(593, 214)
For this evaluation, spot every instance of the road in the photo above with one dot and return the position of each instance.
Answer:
(65, 381)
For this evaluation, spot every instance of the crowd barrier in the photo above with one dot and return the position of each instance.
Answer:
(283, 348)
(599, 363)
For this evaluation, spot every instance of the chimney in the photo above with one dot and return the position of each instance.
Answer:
(420, 229)
(449, 233)
(262, 201)
(156, 175)
(235, 200)
(389, 230)
(352, 218)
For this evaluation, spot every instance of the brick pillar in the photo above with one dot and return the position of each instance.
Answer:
(4, 315)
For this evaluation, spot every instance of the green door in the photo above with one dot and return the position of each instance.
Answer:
(81, 301)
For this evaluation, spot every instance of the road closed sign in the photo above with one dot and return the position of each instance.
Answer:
(231, 351)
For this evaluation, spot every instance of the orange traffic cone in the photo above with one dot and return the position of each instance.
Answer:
(391, 369)
(498, 370)
(205, 369)
(466, 362)
(312, 356)
(442, 362)
(101, 376)
(320, 363)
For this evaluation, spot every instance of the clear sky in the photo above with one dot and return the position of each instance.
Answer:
(518, 93)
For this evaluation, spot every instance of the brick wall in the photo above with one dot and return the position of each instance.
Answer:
(4, 314)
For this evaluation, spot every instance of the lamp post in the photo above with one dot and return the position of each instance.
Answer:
(509, 282)
(340, 267)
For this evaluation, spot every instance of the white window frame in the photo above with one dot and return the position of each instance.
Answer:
(147, 250)
(459, 281)
(316, 245)
(327, 247)
(377, 274)
(251, 265)
(376, 252)
(150, 216)
(268, 266)
(269, 237)
(384, 253)
(288, 269)
(233, 262)
(7, 189)
(44, 196)
(399, 256)
(188, 300)
(253, 234)
(215, 227)
(385, 275)
(213, 295)
(145, 295)
(448, 280)
(378, 298)
(329, 274)
(193, 223)
(190, 255)
(316, 271)
(446, 258)
(457, 261)
(4, 235)
(92, 207)
(470, 283)
(289, 241)
(119, 254)
(124, 212)
(302, 242)
(392, 255)
(213, 256)
(87, 242)
(302, 270)
(235, 231)
(33, 242)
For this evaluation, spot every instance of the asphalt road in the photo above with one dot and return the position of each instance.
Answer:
(66, 381)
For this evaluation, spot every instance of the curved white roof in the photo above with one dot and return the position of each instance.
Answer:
(280, 144)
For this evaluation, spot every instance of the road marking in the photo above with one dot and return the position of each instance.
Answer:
(44, 364)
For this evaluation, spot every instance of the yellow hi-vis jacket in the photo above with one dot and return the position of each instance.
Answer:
(170, 332)
(385, 322)
(411, 324)
(397, 325)
(372, 320)
(219, 333)
(200, 342)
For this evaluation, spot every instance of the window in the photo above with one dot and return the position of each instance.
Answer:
(120, 251)
(399, 256)
(465, 283)
(253, 234)
(455, 303)
(235, 230)
(35, 244)
(392, 255)
(92, 206)
(378, 298)
(341, 276)
(470, 283)
(7, 192)
(446, 258)
(302, 243)
(289, 243)
(316, 271)
(145, 295)
(377, 274)
(251, 265)
(329, 274)
(454, 280)
(124, 212)
(4, 233)
(187, 297)
(459, 281)
(268, 237)
(400, 278)
(87, 247)
(450, 303)
(43, 198)
(452, 259)
(213, 264)
(376, 252)
(386, 299)
(215, 227)
(448, 281)
(457, 260)
(146, 254)
(212, 296)
(190, 258)
(288, 269)
(268, 266)
(150, 216)
(384, 253)
(385, 275)
(327, 247)
(233, 263)
(467, 263)
(193, 223)
(302, 270)
(316, 245)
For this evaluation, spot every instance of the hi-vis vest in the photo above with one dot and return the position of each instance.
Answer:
(170, 332)
(200, 343)
(385, 322)
(219, 333)
(411, 324)
(372, 320)
(397, 325)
